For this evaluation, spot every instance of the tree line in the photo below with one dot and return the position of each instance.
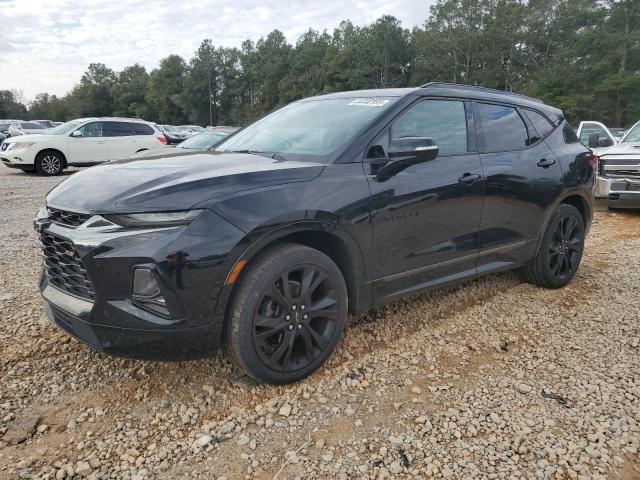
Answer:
(580, 55)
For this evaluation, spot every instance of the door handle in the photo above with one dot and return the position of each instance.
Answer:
(469, 178)
(100, 143)
(545, 163)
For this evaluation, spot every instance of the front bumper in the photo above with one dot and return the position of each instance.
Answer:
(619, 191)
(108, 320)
(22, 158)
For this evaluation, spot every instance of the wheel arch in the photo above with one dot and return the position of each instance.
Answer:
(55, 150)
(576, 198)
(328, 238)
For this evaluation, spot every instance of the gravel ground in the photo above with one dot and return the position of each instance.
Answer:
(490, 379)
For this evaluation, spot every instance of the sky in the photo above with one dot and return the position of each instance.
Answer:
(46, 45)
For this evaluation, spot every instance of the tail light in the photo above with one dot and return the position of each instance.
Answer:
(592, 158)
(162, 139)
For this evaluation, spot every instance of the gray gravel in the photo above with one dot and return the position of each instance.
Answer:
(490, 379)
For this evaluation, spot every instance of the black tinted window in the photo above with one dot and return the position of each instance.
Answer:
(443, 121)
(93, 129)
(32, 125)
(502, 127)
(121, 129)
(142, 129)
(569, 134)
(540, 123)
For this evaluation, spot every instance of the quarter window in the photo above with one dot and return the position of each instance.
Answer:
(540, 123)
(502, 127)
(93, 129)
(142, 129)
(443, 121)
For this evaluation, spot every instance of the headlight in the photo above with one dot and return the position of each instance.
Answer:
(13, 146)
(162, 219)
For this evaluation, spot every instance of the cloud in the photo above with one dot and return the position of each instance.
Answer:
(45, 45)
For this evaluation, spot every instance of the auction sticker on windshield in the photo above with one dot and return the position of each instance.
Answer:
(369, 102)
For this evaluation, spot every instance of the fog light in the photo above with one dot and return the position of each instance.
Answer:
(146, 292)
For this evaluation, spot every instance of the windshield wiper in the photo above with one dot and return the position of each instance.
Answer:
(274, 155)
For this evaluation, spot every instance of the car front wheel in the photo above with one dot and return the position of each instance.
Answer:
(288, 314)
(560, 251)
(49, 163)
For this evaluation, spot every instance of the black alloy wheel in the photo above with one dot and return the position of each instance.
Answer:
(560, 250)
(296, 318)
(565, 248)
(288, 314)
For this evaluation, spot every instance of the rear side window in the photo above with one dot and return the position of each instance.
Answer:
(120, 129)
(142, 129)
(540, 123)
(443, 121)
(502, 128)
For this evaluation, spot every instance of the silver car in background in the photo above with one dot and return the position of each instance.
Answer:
(21, 127)
(619, 172)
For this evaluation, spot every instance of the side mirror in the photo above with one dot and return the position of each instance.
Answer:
(413, 149)
(407, 151)
(76, 133)
(594, 140)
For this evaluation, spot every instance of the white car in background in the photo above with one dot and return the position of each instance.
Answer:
(82, 142)
(20, 127)
(191, 130)
(619, 172)
(587, 132)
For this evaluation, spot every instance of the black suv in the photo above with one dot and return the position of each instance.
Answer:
(332, 204)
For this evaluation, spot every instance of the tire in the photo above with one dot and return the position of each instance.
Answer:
(277, 334)
(560, 251)
(49, 163)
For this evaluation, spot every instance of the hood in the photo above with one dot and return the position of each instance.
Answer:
(35, 137)
(165, 152)
(626, 148)
(173, 182)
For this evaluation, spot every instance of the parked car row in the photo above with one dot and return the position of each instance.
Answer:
(90, 141)
(10, 128)
(82, 142)
(198, 143)
(618, 179)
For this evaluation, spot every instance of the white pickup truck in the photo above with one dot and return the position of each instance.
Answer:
(619, 166)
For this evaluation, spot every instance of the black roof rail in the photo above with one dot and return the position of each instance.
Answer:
(463, 86)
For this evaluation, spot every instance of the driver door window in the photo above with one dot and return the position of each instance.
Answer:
(93, 129)
(443, 121)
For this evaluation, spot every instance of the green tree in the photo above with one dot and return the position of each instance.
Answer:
(129, 92)
(165, 92)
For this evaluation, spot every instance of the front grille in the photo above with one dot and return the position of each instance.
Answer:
(66, 218)
(63, 266)
(623, 173)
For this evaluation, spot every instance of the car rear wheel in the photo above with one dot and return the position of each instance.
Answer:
(561, 250)
(49, 163)
(288, 314)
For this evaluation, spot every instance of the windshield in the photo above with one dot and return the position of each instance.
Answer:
(170, 128)
(312, 130)
(64, 128)
(203, 141)
(32, 126)
(633, 135)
